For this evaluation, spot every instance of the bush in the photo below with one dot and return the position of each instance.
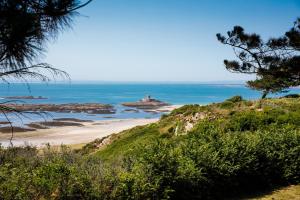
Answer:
(292, 96)
(26, 174)
(187, 110)
(214, 165)
(254, 120)
(227, 105)
(235, 99)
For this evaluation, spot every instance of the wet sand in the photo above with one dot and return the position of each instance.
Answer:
(163, 109)
(69, 135)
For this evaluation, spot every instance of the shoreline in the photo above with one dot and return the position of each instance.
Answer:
(70, 135)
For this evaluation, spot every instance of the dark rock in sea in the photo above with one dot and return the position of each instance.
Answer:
(146, 103)
(4, 122)
(130, 111)
(291, 96)
(25, 97)
(72, 120)
(92, 108)
(15, 129)
(36, 126)
(59, 123)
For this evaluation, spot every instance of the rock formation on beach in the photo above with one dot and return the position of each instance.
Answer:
(16, 129)
(92, 108)
(146, 103)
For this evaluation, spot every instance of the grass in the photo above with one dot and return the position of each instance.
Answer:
(127, 140)
(291, 192)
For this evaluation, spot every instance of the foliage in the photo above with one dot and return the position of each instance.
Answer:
(275, 62)
(235, 99)
(227, 104)
(124, 143)
(230, 103)
(292, 96)
(25, 26)
(212, 165)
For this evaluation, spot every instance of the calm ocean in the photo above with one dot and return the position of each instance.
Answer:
(117, 93)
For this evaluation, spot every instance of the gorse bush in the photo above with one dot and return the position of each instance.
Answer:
(230, 103)
(211, 165)
(254, 120)
(26, 175)
(243, 149)
(227, 104)
(235, 99)
(292, 96)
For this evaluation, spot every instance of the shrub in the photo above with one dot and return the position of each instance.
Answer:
(292, 96)
(207, 164)
(235, 99)
(227, 105)
(254, 120)
(187, 110)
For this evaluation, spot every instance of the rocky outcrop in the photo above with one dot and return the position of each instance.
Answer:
(91, 108)
(146, 103)
(15, 129)
(25, 97)
(130, 111)
(188, 122)
(59, 123)
(72, 120)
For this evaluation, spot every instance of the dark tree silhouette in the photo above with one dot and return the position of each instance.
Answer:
(274, 62)
(25, 28)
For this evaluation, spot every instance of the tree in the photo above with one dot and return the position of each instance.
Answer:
(25, 28)
(274, 62)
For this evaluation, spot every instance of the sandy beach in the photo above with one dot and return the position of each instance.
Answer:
(73, 135)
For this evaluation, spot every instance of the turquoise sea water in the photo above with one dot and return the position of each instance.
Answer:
(117, 93)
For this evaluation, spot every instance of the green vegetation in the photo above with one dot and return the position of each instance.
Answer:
(195, 152)
(275, 62)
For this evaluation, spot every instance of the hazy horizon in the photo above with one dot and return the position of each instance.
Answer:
(74, 81)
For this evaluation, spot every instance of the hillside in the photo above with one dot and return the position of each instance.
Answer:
(227, 150)
(234, 114)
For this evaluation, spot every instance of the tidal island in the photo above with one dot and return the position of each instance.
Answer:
(146, 103)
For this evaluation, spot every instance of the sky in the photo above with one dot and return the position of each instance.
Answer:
(162, 40)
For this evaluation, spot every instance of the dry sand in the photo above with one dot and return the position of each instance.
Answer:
(73, 135)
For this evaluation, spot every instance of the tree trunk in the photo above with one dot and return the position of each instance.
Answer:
(265, 93)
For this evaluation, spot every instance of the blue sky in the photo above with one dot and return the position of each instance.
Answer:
(162, 40)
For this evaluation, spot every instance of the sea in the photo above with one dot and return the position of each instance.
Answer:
(118, 93)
